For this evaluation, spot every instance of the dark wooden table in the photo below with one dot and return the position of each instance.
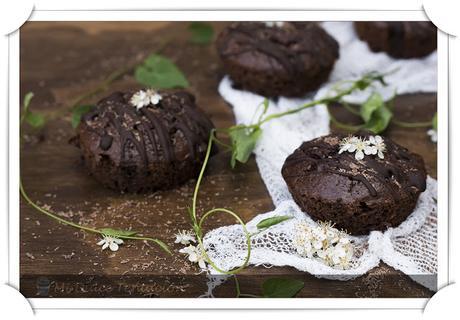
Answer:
(60, 61)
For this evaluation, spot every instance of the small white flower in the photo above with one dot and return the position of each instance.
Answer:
(154, 96)
(378, 145)
(322, 254)
(319, 234)
(140, 99)
(341, 255)
(184, 237)
(348, 144)
(362, 148)
(433, 135)
(143, 98)
(194, 255)
(110, 242)
(271, 24)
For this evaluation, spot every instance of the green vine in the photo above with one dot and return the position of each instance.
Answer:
(105, 232)
(375, 113)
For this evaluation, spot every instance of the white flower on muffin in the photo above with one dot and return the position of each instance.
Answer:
(112, 243)
(348, 144)
(185, 237)
(143, 98)
(194, 255)
(361, 147)
(378, 146)
(154, 96)
(274, 24)
(433, 135)
(324, 243)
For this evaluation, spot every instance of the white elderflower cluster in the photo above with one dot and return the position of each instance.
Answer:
(325, 243)
(143, 98)
(360, 147)
(274, 24)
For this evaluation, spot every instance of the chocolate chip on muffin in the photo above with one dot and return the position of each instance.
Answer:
(409, 39)
(360, 183)
(145, 140)
(277, 58)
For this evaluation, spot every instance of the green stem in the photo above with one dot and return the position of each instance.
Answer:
(78, 226)
(237, 286)
(51, 215)
(325, 101)
(246, 233)
(223, 144)
(342, 125)
(200, 176)
(238, 290)
(248, 295)
(292, 111)
(102, 86)
(403, 124)
(349, 108)
(199, 226)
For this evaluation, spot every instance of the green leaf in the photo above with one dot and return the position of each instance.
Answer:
(201, 32)
(380, 120)
(162, 245)
(373, 103)
(375, 113)
(35, 120)
(161, 73)
(435, 121)
(117, 233)
(272, 221)
(281, 288)
(77, 112)
(366, 80)
(27, 98)
(243, 143)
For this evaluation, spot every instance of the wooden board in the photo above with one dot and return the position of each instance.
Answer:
(60, 61)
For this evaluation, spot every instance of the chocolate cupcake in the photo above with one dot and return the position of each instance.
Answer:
(360, 183)
(145, 140)
(409, 39)
(277, 58)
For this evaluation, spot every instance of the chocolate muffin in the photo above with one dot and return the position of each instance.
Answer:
(379, 191)
(145, 140)
(409, 39)
(277, 58)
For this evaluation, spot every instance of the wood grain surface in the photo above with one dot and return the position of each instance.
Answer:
(59, 62)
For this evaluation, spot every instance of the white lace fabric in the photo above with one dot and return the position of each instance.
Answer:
(411, 247)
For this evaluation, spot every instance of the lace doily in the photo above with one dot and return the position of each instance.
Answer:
(411, 247)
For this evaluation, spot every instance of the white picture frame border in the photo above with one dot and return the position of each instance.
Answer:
(229, 303)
